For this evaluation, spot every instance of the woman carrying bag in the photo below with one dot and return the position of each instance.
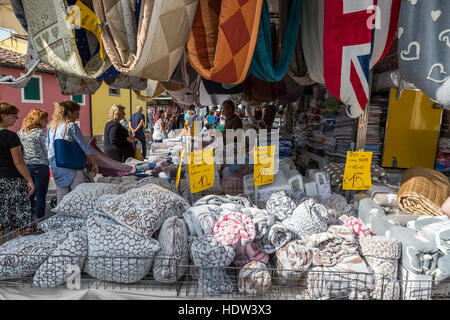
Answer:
(67, 149)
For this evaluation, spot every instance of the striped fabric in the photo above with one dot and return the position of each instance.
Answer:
(223, 38)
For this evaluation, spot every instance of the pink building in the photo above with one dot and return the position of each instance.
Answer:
(41, 92)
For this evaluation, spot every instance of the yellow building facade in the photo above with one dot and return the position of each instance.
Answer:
(102, 101)
(16, 43)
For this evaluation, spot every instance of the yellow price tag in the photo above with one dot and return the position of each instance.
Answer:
(201, 170)
(357, 171)
(83, 17)
(263, 169)
(179, 168)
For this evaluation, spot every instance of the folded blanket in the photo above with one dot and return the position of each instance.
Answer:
(337, 268)
(337, 204)
(308, 218)
(294, 259)
(248, 253)
(235, 229)
(382, 255)
(210, 255)
(263, 222)
(171, 260)
(280, 205)
(385, 197)
(358, 227)
(442, 272)
(423, 191)
(373, 216)
(276, 238)
(446, 207)
(254, 279)
(201, 219)
(435, 229)
(419, 255)
(223, 38)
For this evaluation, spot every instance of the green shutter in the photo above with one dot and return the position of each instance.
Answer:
(77, 98)
(32, 90)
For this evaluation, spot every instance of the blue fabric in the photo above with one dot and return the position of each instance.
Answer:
(41, 176)
(63, 176)
(109, 74)
(262, 65)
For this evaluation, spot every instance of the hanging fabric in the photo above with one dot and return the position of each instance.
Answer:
(73, 85)
(263, 65)
(53, 28)
(424, 47)
(189, 80)
(297, 70)
(123, 81)
(32, 60)
(342, 40)
(214, 93)
(223, 38)
(258, 90)
(145, 38)
(154, 90)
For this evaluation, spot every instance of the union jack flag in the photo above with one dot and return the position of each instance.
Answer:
(357, 34)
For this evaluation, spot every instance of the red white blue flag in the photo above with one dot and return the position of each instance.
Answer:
(343, 40)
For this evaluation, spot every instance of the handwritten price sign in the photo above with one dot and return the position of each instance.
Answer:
(357, 171)
(201, 170)
(264, 165)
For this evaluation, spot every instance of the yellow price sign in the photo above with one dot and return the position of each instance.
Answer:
(201, 170)
(357, 171)
(179, 169)
(263, 168)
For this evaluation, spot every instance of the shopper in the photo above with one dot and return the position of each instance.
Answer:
(16, 183)
(32, 136)
(150, 125)
(63, 126)
(160, 131)
(180, 119)
(232, 121)
(137, 124)
(117, 142)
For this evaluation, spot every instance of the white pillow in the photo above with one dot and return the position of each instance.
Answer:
(144, 209)
(80, 202)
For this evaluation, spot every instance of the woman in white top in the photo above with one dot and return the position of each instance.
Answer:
(159, 130)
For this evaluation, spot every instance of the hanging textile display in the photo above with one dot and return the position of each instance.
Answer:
(189, 80)
(342, 40)
(297, 70)
(122, 81)
(145, 38)
(32, 61)
(73, 85)
(263, 66)
(223, 38)
(424, 47)
(259, 90)
(60, 39)
(213, 93)
(154, 90)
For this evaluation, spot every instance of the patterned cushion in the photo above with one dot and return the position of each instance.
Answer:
(118, 254)
(158, 181)
(144, 209)
(55, 271)
(21, 257)
(171, 260)
(62, 220)
(225, 54)
(280, 205)
(254, 278)
(80, 202)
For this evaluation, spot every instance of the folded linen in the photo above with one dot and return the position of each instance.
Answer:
(373, 216)
(276, 238)
(201, 219)
(308, 218)
(248, 253)
(280, 205)
(254, 279)
(358, 227)
(435, 229)
(294, 259)
(235, 229)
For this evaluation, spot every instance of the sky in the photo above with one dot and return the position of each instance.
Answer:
(4, 33)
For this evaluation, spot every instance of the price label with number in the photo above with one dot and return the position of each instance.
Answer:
(201, 170)
(357, 171)
(263, 169)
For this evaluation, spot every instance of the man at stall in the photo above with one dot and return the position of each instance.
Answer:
(136, 124)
